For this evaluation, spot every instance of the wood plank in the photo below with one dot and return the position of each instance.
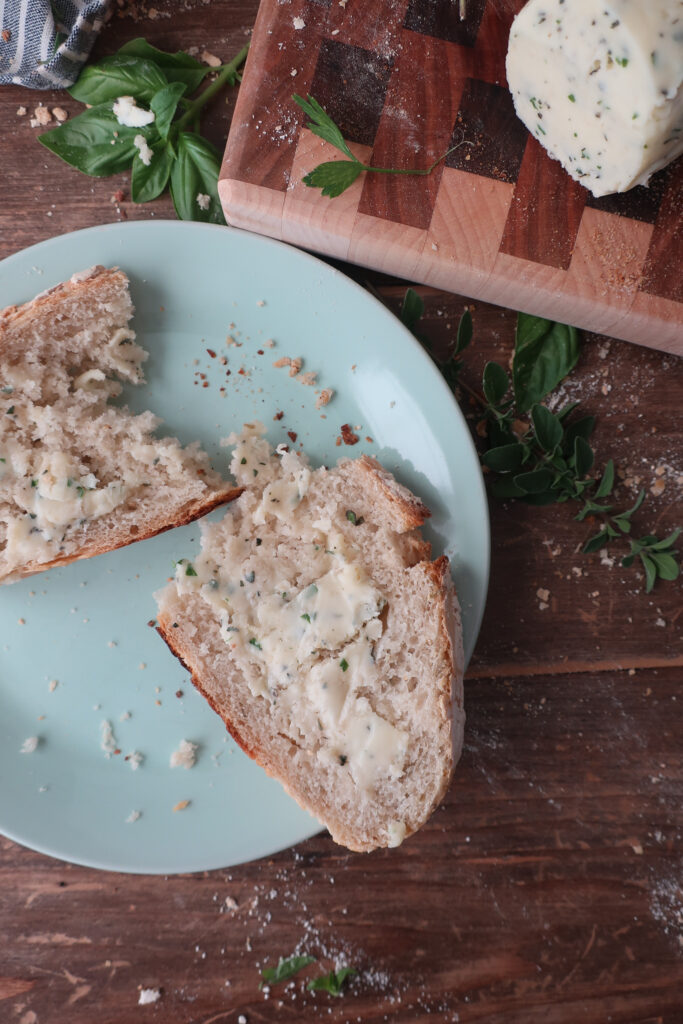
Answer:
(552, 892)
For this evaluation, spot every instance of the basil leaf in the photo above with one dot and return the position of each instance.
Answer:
(149, 180)
(623, 524)
(464, 335)
(667, 566)
(580, 428)
(118, 76)
(333, 177)
(607, 482)
(495, 383)
(194, 173)
(636, 505)
(583, 456)
(164, 104)
(535, 482)
(545, 352)
(547, 428)
(178, 67)
(650, 572)
(285, 969)
(505, 459)
(94, 142)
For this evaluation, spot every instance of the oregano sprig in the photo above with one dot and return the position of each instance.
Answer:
(335, 176)
(168, 152)
(541, 457)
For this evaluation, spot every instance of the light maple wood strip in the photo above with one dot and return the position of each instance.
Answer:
(252, 206)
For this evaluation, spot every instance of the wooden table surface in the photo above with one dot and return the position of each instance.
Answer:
(548, 886)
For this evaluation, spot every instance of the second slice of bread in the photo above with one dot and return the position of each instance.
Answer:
(315, 624)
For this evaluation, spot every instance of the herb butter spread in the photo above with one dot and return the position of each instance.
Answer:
(305, 644)
(599, 84)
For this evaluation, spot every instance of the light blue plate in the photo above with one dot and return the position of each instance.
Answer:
(86, 625)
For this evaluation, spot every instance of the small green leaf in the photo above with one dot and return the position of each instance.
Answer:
(623, 524)
(545, 352)
(547, 428)
(505, 459)
(495, 383)
(332, 982)
(650, 572)
(464, 335)
(343, 664)
(120, 75)
(412, 309)
(597, 541)
(148, 181)
(580, 428)
(190, 570)
(94, 142)
(505, 487)
(583, 456)
(164, 104)
(322, 125)
(566, 410)
(177, 67)
(285, 969)
(333, 177)
(668, 542)
(667, 566)
(628, 561)
(534, 482)
(607, 483)
(195, 174)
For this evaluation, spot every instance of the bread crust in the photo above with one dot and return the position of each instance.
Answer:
(191, 512)
(96, 279)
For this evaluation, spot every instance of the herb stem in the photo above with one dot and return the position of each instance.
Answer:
(421, 171)
(224, 75)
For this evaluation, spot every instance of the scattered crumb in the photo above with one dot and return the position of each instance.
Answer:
(60, 114)
(658, 486)
(107, 739)
(185, 756)
(542, 594)
(182, 805)
(21, 622)
(298, 24)
(242, 1019)
(637, 848)
(261, 303)
(348, 436)
(278, 415)
(294, 366)
(30, 745)
(148, 995)
(284, 361)
(210, 59)
(135, 759)
(660, 622)
(309, 378)
(324, 398)
(133, 816)
(52, 685)
(21, 111)
(203, 201)
(230, 903)
(7, 35)
(41, 117)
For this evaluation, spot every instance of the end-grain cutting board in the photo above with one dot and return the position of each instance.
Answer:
(498, 220)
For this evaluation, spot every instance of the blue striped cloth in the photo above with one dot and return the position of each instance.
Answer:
(45, 43)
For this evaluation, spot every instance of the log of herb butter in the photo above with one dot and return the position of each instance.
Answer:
(316, 625)
(599, 84)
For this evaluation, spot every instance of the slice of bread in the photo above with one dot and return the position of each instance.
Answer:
(79, 476)
(316, 626)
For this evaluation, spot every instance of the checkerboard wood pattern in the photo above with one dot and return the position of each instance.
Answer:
(498, 220)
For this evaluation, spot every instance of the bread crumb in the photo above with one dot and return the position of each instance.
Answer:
(294, 366)
(660, 622)
(309, 378)
(637, 848)
(41, 117)
(6, 35)
(230, 903)
(148, 995)
(60, 114)
(107, 739)
(21, 111)
(298, 24)
(348, 436)
(542, 594)
(52, 685)
(133, 816)
(324, 398)
(284, 361)
(21, 622)
(30, 745)
(658, 486)
(182, 805)
(185, 756)
(135, 759)
(203, 201)
(210, 59)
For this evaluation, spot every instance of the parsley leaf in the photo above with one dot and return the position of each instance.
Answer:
(333, 177)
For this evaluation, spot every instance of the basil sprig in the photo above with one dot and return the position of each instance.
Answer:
(179, 156)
